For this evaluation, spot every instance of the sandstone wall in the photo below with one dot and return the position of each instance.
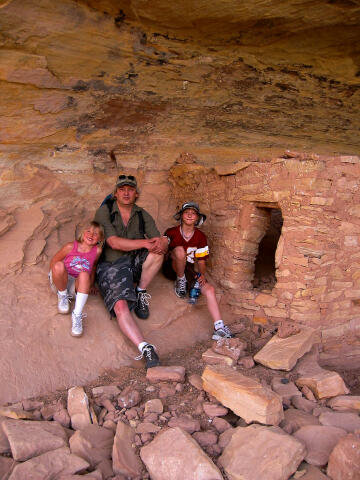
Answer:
(317, 267)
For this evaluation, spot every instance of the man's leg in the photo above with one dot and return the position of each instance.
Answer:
(178, 261)
(130, 329)
(150, 267)
(220, 330)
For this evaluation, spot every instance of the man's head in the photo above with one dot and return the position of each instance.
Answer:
(191, 207)
(126, 191)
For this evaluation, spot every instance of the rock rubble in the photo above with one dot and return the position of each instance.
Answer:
(231, 423)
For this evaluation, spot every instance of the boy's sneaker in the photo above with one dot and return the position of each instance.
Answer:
(142, 305)
(64, 303)
(222, 332)
(180, 287)
(76, 327)
(150, 356)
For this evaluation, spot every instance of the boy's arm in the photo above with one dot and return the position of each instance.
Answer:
(61, 254)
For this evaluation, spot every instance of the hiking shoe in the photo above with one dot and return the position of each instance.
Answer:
(180, 287)
(64, 303)
(76, 327)
(150, 356)
(142, 305)
(222, 332)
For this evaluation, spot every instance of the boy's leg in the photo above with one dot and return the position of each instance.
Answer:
(178, 262)
(220, 330)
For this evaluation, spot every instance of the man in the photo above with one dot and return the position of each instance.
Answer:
(188, 247)
(133, 253)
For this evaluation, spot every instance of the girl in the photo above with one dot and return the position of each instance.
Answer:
(73, 267)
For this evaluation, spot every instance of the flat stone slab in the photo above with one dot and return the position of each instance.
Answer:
(257, 452)
(283, 353)
(243, 395)
(345, 402)
(166, 374)
(174, 454)
(344, 460)
(78, 408)
(29, 439)
(125, 461)
(323, 383)
(212, 358)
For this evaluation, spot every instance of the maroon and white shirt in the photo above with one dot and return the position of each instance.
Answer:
(196, 247)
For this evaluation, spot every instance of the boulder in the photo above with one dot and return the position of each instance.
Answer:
(78, 408)
(125, 460)
(319, 441)
(243, 395)
(258, 452)
(346, 420)
(344, 460)
(92, 443)
(174, 455)
(6, 467)
(295, 419)
(49, 465)
(283, 353)
(29, 439)
(4, 442)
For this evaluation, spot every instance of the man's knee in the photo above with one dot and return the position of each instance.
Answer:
(154, 258)
(121, 307)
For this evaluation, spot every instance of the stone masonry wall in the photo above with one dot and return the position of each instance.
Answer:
(317, 257)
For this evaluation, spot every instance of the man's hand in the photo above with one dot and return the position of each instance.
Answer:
(158, 245)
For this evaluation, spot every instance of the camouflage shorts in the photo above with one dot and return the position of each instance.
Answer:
(116, 279)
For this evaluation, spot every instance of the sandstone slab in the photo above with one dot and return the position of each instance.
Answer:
(259, 452)
(212, 358)
(187, 424)
(243, 395)
(6, 467)
(78, 408)
(125, 460)
(4, 442)
(310, 472)
(319, 442)
(32, 438)
(345, 402)
(154, 405)
(173, 454)
(285, 390)
(295, 419)
(129, 397)
(344, 460)
(283, 353)
(230, 347)
(109, 391)
(347, 420)
(49, 465)
(323, 383)
(92, 443)
(166, 374)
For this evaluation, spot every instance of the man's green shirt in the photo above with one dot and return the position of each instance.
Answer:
(117, 228)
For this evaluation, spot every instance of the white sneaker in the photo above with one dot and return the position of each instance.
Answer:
(222, 332)
(76, 327)
(63, 303)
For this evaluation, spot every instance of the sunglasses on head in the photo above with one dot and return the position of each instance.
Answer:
(126, 177)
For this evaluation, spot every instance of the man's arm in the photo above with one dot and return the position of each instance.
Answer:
(126, 244)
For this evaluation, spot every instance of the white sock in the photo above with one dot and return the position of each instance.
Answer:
(62, 292)
(181, 278)
(81, 299)
(138, 289)
(218, 324)
(141, 346)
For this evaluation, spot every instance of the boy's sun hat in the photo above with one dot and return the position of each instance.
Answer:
(194, 206)
(126, 180)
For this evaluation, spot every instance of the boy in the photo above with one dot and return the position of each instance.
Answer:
(187, 248)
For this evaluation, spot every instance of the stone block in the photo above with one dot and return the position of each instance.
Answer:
(243, 395)
(212, 358)
(92, 443)
(185, 423)
(343, 403)
(29, 439)
(230, 347)
(275, 312)
(266, 300)
(250, 454)
(175, 454)
(52, 465)
(166, 374)
(125, 460)
(349, 421)
(294, 419)
(283, 353)
(323, 383)
(344, 460)
(78, 408)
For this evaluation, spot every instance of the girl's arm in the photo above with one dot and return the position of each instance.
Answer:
(61, 254)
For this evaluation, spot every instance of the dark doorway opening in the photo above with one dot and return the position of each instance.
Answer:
(264, 276)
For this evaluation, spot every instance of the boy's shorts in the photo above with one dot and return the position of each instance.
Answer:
(70, 284)
(116, 279)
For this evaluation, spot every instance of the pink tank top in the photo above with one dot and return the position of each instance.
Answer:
(76, 262)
